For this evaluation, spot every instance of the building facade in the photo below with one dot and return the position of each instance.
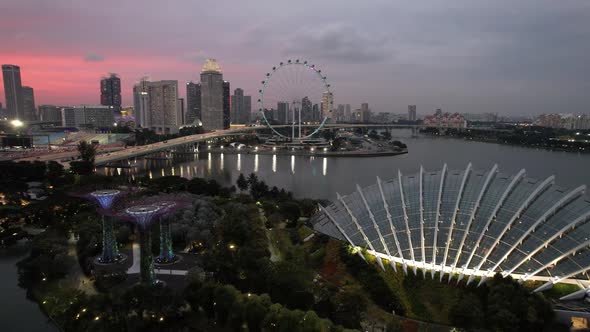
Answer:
(283, 114)
(412, 113)
(50, 113)
(241, 107)
(88, 116)
(212, 104)
(442, 119)
(327, 106)
(193, 103)
(365, 113)
(156, 106)
(13, 92)
(29, 110)
(110, 92)
(226, 105)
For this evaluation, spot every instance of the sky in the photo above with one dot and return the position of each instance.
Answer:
(467, 56)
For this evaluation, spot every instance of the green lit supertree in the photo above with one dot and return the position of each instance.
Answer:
(143, 216)
(110, 252)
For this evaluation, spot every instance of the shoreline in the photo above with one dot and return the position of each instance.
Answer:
(305, 153)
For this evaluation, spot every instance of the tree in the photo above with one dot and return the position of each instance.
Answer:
(242, 183)
(87, 151)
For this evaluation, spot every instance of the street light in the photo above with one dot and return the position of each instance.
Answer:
(16, 123)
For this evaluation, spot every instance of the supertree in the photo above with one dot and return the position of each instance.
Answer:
(143, 216)
(169, 207)
(110, 252)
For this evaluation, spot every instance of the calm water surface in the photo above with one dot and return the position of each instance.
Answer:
(322, 177)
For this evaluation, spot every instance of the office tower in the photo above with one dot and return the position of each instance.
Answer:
(156, 106)
(365, 113)
(226, 105)
(412, 112)
(29, 113)
(327, 106)
(88, 116)
(339, 116)
(241, 107)
(181, 110)
(211, 95)
(13, 92)
(193, 103)
(141, 102)
(110, 92)
(163, 113)
(283, 112)
(306, 111)
(347, 113)
(247, 113)
(316, 113)
(50, 113)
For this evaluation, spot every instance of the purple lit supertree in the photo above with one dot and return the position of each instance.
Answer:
(143, 216)
(110, 252)
(169, 207)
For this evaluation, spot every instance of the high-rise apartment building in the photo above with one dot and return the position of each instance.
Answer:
(412, 112)
(29, 111)
(327, 106)
(347, 113)
(283, 113)
(365, 113)
(226, 105)
(193, 103)
(156, 106)
(212, 96)
(13, 92)
(110, 92)
(241, 107)
(181, 111)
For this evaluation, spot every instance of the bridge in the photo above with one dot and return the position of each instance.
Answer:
(114, 154)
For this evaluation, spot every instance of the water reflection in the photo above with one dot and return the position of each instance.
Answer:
(239, 165)
(274, 163)
(221, 161)
(256, 164)
(325, 166)
(209, 162)
(293, 164)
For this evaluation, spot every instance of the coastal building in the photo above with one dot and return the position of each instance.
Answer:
(88, 116)
(241, 107)
(50, 113)
(411, 112)
(193, 103)
(442, 119)
(365, 113)
(110, 92)
(212, 96)
(467, 223)
(29, 110)
(327, 107)
(13, 92)
(156, 105)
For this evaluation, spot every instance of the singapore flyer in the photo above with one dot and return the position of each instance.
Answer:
(295, 101)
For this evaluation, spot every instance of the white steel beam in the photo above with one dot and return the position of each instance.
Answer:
(557, 279)
(532, 196)
(423, 251)
(553, 209)
(437, 216)
(508, 190)
(340, 229)
(392, 226)
(557, 259)
(558, 234)
(405, 214)
(452, 221)
(484, 188)
(372, 217)
(355, 221)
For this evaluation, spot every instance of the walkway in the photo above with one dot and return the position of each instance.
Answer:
(135, 268)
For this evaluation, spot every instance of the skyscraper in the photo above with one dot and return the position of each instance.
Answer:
(339, 116)
(365, 113)
(181, 111)
(156, 106)
(347, 113)
(13, 92)
(29, 112)
(226, 105)
(193, 102)
(327, 106)
(283, 112)
(212, 100)
(412, 112)
(241, 107)
(110, 92)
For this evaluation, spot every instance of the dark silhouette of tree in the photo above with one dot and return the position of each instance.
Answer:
(242, 183)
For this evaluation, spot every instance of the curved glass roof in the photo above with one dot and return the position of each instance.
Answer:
(468, 222)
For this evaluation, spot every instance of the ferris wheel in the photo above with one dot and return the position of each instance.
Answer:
(295, 93)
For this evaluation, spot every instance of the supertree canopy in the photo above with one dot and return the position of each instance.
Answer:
(105, 199)
(166, 252)
(142, 216)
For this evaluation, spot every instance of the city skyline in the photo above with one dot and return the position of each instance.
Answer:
(504, 58)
